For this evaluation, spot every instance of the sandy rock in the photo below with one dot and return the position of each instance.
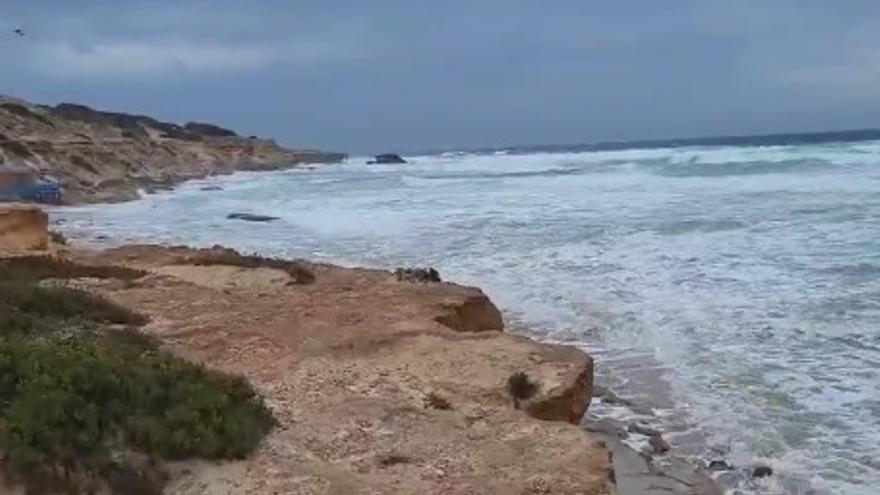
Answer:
(345, 364)
(476, 313)
(23, 227)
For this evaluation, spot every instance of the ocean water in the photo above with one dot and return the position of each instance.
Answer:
(732, 291)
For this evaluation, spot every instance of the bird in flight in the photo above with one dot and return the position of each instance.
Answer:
(18, 32)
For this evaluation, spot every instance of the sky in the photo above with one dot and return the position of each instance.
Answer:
(394, 75)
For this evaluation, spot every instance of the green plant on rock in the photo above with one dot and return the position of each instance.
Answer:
(74, 392)
(521, 387)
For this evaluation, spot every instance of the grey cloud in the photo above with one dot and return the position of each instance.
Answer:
(365, 76)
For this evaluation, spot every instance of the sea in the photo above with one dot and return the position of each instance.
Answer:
(728, 288)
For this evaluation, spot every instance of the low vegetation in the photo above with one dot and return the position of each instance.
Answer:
(297, 270)
(521, 387)
(43, 266)
(76, 396)
(435, 401)
(23, 111)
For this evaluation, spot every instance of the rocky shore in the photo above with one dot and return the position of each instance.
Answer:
(379, 383)
(107, 156)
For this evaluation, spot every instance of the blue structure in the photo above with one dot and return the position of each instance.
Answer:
(25, 185)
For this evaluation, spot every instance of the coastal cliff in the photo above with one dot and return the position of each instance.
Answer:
(107, 156)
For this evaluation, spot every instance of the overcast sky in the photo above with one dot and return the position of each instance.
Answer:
(383, 75)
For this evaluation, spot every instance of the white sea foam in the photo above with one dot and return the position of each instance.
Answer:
(731, 289)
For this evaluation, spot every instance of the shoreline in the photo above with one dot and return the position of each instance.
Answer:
(672, 474)
(173, 286)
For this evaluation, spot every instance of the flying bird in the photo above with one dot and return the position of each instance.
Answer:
(18, 32)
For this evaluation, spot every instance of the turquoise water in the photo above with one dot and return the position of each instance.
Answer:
(735, 290)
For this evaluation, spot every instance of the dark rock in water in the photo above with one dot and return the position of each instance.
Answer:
(609, 397)
(608, 426)
(717, 465)
(210, 188)
(387, 158)
(248, 217)
(642, 429)
(423, 275)
(762, 472)
(659, 445)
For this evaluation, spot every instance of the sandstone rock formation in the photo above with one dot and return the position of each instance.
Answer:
(23, 227)
(379, 387)
(101, 156)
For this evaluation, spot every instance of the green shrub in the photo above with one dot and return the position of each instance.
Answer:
(64, 303)
(521, 387)
(73, 393)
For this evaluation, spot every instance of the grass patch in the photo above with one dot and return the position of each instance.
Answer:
(75, 393)
(43, 267)
(297, 270)
(63, 303)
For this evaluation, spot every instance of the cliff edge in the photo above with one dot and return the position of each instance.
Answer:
(378, 386)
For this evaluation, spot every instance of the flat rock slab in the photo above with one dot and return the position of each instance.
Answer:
(348, 365)
(636, 475)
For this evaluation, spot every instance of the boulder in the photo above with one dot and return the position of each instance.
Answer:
(565, 396)
(386, 158)
(23, 227)
(472, 313)
(762, 471)
(250, 217)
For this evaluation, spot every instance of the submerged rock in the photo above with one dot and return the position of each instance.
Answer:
(607, 426)
(386, 158)
(762, 472)
(658, 444)
(718, 465)
(642, 429)
(210, 188)
(249, 217)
